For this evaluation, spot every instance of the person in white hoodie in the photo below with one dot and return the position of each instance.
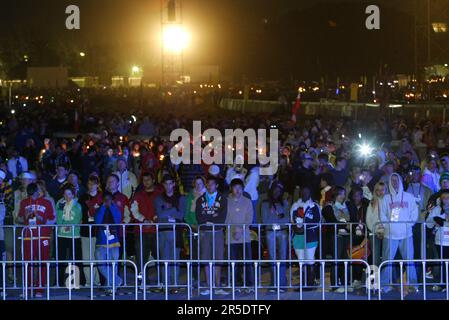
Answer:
(398, 214)
(438, 222)
(376, 230)
(431, 176)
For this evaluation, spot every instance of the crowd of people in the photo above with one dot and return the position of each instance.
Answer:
(106, 196)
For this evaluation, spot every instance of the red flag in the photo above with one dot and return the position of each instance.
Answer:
(296, 107)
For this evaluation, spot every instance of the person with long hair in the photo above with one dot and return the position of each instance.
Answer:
(357, 206)
(375, 228)
(305, 213)
(337, 212)
(275, 215)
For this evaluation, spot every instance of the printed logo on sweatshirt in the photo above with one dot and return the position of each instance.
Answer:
(35, 207)
(398, 204)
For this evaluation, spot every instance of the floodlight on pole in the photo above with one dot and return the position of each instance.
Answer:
(175, 38)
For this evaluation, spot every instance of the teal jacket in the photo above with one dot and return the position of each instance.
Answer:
(64, 222)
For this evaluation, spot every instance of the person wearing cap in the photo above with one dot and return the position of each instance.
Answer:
(170, 208)
(438, 223)
(211, 209)
(431, 176)
(274, 215)
(35, 212)
(238, 219)
(127, 180)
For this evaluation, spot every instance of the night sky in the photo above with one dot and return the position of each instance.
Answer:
(275, 39)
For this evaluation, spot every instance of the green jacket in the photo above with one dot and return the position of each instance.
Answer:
(190, 216)
(74, 217)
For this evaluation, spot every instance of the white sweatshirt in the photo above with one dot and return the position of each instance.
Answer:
(399, 206)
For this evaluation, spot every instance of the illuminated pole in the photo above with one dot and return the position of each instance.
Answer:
(10, 94)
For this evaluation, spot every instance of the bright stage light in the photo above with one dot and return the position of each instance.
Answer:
(175, 38)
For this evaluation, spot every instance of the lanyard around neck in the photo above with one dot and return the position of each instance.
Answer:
(402, 198)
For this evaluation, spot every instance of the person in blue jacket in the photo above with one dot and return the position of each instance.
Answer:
(108, 244)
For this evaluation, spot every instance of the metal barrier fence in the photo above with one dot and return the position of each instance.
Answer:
(418, 242)
(257, 265)
(424, 284)
(281, 237)
(29, 270)
(25, 243)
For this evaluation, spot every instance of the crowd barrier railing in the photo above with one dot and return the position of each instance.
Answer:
(24, 240)
(423, 285)
(257, 264)
(329, 235)
(30, 267)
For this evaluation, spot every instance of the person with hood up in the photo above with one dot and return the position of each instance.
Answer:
(398, 214)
